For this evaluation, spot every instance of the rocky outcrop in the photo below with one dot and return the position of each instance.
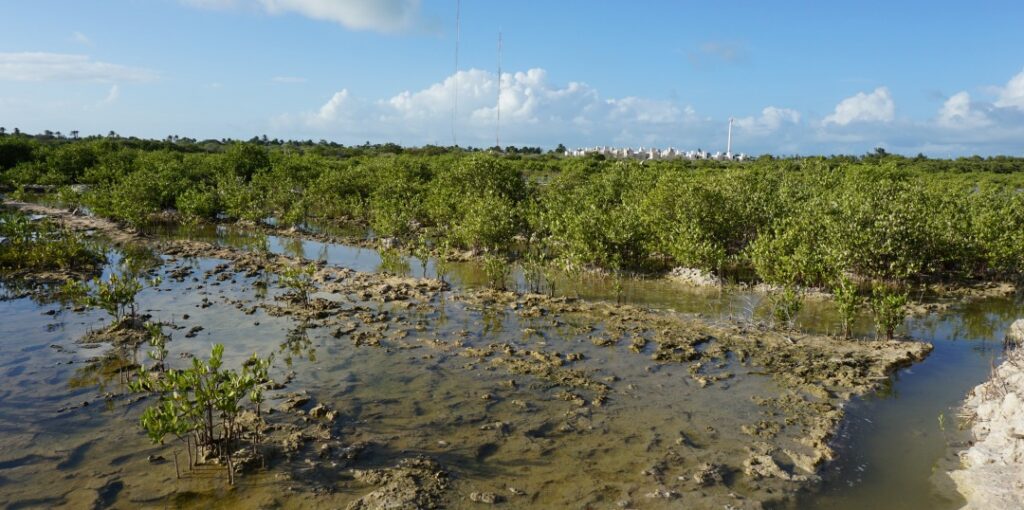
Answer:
(694, 277)
(1015, 334)
(992, 472)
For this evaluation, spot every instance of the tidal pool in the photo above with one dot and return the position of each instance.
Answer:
(425, 385)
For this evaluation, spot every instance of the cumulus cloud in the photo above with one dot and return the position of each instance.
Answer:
(537, 111)
(1012, 95)
(377, 15)
(38, 66)
(959, 113)
(877, 106)
(770, 121)
(534, 111)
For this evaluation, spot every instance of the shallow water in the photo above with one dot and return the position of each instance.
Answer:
(411, 397)
(892, 448)
(405, 398)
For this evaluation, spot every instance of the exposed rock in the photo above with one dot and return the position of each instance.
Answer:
(1015, 333)
(709, 474)
(323, 412)
(488, 498)
(414, 483)
(293, 402)
(992, 476)
(695, 277)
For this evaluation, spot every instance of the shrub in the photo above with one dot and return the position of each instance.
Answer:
(200, 405)
(889, 308)
(299, 280)
(848, 303)
(198, 203)
(44, 246)
(497, 271)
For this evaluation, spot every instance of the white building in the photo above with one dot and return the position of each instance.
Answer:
(645, 154)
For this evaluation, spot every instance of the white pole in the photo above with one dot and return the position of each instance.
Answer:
(498, 133)
(728, 145)
(455, 77)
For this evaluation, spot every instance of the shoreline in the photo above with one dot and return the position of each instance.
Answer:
(991, 474)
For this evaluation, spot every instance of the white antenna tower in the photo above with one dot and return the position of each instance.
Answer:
(455, 93)
(497, 133)
(728, 143)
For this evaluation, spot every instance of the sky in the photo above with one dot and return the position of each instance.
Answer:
(808, 77)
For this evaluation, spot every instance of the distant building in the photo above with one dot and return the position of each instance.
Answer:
(652, 153)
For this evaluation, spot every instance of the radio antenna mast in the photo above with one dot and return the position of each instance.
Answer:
(455, 77)
(497, 134)
(728, 143)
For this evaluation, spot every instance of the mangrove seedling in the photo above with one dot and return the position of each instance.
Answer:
(200, 406)
(848, 303)
(533, 269)
(158, 341)
(421, 250)
(392, 261)
(497, 271)
(116, 296)
(298, 279)
(786, 304)
(889, 308)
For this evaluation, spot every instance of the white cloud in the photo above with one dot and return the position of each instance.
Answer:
(1012, 95)
(113, 95)
(38, 66)
(339, 107)
(877, 106)
(770, 121)
(288, 79)
(81, 38)
(377, 15)
(533, 111)
(959, 113)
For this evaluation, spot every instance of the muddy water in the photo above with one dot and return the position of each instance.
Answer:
(492, 429)
(893, 447)
(69, 438)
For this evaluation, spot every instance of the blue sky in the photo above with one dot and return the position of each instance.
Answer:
(943, 78)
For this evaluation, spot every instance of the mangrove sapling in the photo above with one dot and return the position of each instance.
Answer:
(786, 304)
(299, 279)
(392, 261)
(497, 271)
(533, 269)
(888, 305)
(550, 272)
(848, 303)
(158, 341)
(421, 250)
(201, 405)
(443, 264)
(116, 296)
(617, 287)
